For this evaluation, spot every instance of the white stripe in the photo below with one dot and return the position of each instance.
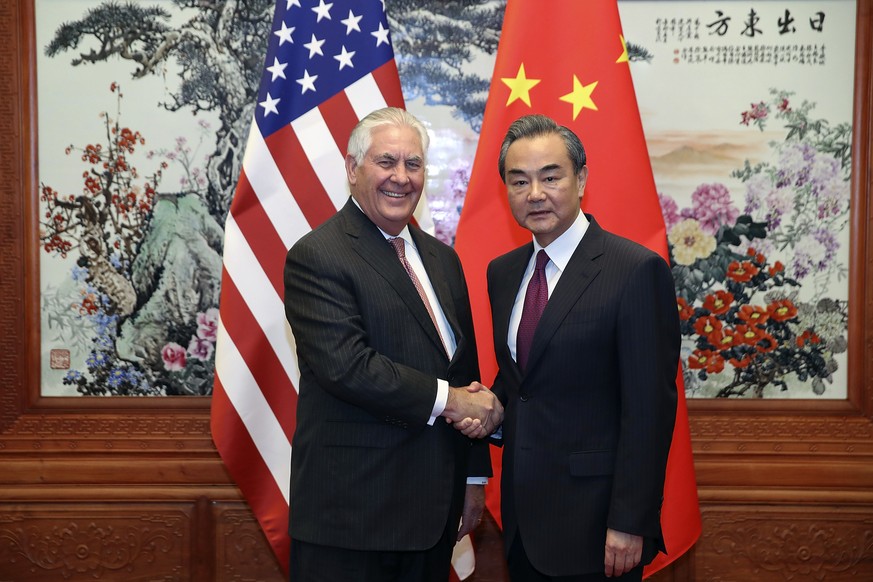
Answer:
(260, 296)
(365, 96)
(252, 408)
(326, 156)
(272, 191)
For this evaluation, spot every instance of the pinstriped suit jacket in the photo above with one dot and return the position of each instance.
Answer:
(588, 426)
(367, 472)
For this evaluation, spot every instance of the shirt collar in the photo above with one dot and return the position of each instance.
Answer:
(562, 248)
(404, 234)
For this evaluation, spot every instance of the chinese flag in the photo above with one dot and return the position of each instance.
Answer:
(568, 60)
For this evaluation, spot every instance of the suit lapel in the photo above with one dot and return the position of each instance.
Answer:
(504, 299)
(580, 272)
(372, 247)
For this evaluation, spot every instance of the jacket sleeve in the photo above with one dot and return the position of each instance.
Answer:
(648, 357)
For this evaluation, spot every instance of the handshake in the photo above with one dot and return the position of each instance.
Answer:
(474, 410)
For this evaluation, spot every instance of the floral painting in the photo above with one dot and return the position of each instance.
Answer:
(754, 185)
(740, 270)
(140, 268)
(746, 109)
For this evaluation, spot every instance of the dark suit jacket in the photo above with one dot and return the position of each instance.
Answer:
(588, 426)
(367, 472)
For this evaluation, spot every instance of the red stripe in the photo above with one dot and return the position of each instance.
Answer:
(259, 232)
(258, 353)
(389, 83)
(251, 474)
(301, 178)
(340, 118)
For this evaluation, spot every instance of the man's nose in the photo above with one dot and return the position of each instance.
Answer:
(537, 192)
(401, 176)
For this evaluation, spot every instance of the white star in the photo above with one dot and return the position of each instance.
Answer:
(323, 10)
(285, 34)
(352, 22)
(278, 69)
(345, 58)
(314, 46)
(381, 35)
(291, 3)
(307, 82)
(269, 105)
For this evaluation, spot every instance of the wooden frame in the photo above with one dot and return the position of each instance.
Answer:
(855, 411)
(167, 433)
(19, 314)
(785, 453)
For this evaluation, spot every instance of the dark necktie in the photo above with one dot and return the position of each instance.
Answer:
(534, 303)
(400, 249)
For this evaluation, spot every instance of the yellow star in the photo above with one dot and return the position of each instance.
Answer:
(520, 86)
(580, 97)
(623, 58)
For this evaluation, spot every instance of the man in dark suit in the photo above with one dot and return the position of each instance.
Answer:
(381, 317)
(589, 384)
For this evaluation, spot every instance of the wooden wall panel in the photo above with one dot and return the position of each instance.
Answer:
(786, 487)
(47, 542)
(788, 542)
(241, 550)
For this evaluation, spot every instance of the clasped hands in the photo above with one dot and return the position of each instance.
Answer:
(474, 410)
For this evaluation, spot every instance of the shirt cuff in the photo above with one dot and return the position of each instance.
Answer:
(477, 480)
(442, 397)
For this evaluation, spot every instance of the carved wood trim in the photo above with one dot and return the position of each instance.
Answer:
(785, 543)
(60, 542)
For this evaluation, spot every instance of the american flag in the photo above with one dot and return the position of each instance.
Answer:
(328, 64)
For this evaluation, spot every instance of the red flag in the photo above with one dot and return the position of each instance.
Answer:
(326, 67)
(568, 60)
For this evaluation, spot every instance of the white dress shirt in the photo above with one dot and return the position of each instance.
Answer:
(560, 251)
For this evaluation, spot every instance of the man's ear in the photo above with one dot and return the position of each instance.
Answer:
(582, 178)
(351, 166)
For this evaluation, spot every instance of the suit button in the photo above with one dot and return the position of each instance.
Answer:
(523, 397)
